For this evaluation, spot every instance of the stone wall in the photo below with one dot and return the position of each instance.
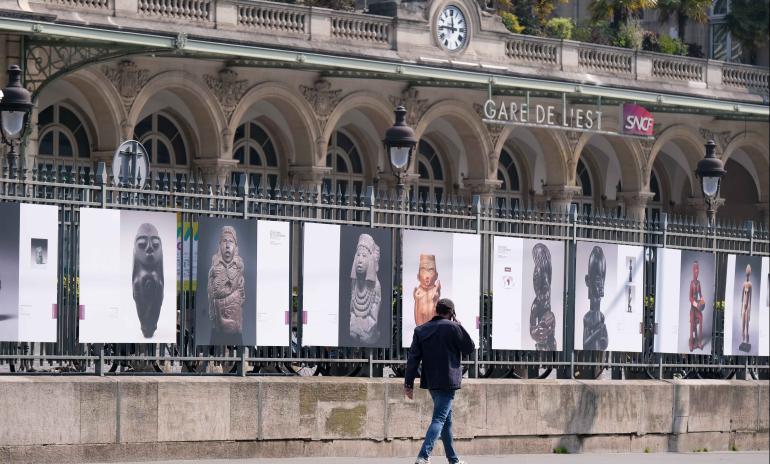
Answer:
(82, 419)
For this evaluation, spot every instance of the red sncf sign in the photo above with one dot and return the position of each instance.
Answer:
(636, 120)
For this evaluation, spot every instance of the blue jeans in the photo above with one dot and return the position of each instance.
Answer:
(441, 424)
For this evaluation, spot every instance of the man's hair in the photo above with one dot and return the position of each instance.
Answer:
(445, 306)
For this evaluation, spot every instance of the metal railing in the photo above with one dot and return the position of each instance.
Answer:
(192, 198)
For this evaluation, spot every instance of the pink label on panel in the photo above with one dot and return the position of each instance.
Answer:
(304, 317)
(478, 322)
(286, 317)
(81, 312)
(54, 311)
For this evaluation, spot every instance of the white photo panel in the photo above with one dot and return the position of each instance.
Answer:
(273, 282)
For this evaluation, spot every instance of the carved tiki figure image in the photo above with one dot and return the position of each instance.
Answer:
(697, 304)
(226, 291)
(542, 322)
(746, 311)
(594, 329)
(428, 292)
(366, 294)
(147, 277)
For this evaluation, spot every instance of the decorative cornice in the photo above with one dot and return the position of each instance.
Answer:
(636, 199)
(322, 99)
(721, 138)
(227, 88)
(493, 130)
(128, 79)
(415, 106)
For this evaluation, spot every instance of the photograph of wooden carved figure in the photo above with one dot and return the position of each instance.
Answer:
(428, 291)
(594, 329)
(542, 322)
(226, 285)
(697, 303)
(147, 277)
(366, 293)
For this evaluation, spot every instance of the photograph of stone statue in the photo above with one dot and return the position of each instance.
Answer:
(696, 302)
(147, 277)
(742, 305)
(608, 309)
(365, 287)
(226, 297)
(39, 252)
(527, 294)
(439, 265)
(131, 300)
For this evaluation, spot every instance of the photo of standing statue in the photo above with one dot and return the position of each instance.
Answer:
(428, 292)
(147, 277)
(746, 311)
(594, 329)
(697, 304)
(542, 322)
(226, 291)
(366, 294)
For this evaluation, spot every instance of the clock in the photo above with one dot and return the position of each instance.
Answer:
(451, 28)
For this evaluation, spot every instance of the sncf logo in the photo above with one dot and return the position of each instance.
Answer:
(637, 120)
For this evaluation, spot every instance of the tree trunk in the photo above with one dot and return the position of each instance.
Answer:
(681, 24)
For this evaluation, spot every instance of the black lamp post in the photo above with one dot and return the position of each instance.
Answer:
(15, 107)
(400, 142)
(710, 170)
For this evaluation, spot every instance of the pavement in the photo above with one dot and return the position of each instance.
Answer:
(762, 457)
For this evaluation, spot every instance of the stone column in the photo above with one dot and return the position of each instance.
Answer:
(697, 205)
(561, 196)
(484, 188)
(635, 203)
(215, 171)
(310, 177)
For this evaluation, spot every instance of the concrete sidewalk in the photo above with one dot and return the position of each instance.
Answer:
(606, 458)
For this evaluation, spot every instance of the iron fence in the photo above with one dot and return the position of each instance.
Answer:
(73, 189)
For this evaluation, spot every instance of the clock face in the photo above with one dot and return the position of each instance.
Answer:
(451, 28)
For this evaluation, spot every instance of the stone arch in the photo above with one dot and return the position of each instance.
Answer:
(629, 156)
(469, 130)
(755, 147)
(210, 139)
(301, 142)
(688, 141)
(554, 147)
(376, 109)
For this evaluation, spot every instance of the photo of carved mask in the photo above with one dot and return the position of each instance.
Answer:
(366, 294)
(595, 336)
(147, 277)
(39, 252)
(542, 323)
(226, 291)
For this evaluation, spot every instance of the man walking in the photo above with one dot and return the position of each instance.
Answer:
(439, 344)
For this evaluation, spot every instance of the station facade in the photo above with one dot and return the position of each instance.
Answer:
(289, 94)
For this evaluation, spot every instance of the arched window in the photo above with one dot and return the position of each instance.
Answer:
(256, 156)
(165, 144)
(509, 194)
(63, 139)
(347, 175)
(431, 171)
(654, 206)
(585, 201)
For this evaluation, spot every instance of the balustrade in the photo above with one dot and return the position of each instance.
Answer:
(679, 69)
(361, 29)
(272, 18)
(537, 51)
(82, 4)
(745, 77)
(605, 59)
(190, 10)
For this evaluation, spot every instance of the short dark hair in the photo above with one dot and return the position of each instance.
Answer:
(445, 306)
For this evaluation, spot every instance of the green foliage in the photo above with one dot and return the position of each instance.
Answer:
(683, 11)
(560, 450)
(647, 449)
(629, 35)
(511, 22)
(733, 447)
(748, 23)
(560, 28)
(719, 305)
(617, 11)
(598, 33)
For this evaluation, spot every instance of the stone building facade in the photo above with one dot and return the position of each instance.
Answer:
(299, 95)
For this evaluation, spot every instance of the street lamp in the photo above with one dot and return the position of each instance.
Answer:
(399, 143)
(15, 107)
(710, 170)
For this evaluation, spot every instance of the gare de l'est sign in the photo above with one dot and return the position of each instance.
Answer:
(635, 120)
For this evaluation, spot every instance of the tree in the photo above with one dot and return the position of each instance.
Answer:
(533, 14)
(617, 11)
(683, 11)
(747, 21)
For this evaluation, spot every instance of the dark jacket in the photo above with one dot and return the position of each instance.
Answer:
(438, 343)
